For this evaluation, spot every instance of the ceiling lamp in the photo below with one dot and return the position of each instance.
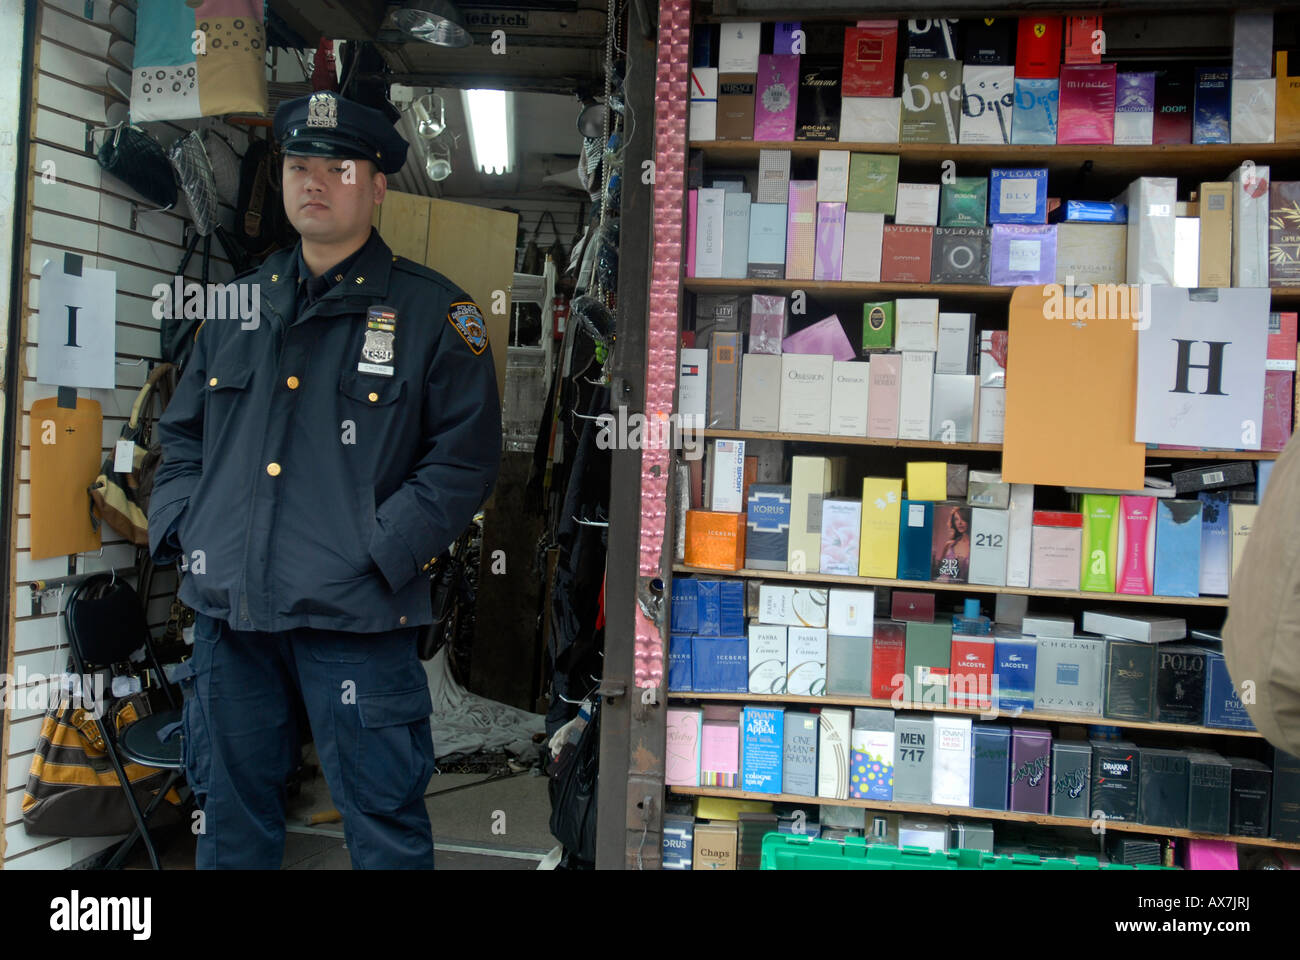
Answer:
(433, 21)
(489, 114)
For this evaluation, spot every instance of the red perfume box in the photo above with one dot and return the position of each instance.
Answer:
(870, 52)
(905, 254)
(1038, 48)
(888, 657)
(912, 605)
(1087, 107)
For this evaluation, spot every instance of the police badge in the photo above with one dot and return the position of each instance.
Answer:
(323, 110)
(377, 349)
(468, 321)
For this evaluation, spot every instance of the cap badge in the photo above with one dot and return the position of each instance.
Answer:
(323, 110)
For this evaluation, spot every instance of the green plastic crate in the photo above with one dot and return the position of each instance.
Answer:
(784, 851)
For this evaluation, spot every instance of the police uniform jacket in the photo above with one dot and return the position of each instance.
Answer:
(317, 460)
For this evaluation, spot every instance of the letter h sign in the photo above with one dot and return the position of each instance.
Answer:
(1213, 369)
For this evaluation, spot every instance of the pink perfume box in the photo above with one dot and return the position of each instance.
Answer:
(884, 378)
(692, 198)
(1056, 551)
(766, 323)
(1211, 855)
(801, 230)
(823, 337)
(830, 241)
(1136, 553)
(1087, 109)
(777, 96)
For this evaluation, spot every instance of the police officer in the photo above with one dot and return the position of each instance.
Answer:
(317, 458)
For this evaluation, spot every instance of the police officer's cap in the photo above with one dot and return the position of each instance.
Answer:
(327, 125)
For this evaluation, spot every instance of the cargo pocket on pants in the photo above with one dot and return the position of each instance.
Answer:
(394, 749)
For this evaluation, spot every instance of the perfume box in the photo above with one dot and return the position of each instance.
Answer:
(1216, 544)
(1056, 550)
(1071, 779)
(1250, 213)
(692, 386)
(927, 480)
(1252, 44)
(724, 380)
(848, 666)
(766, 322)
(736, 105)
(1180, 683)
(883, 395)
(960, 255)
(679, 662)
(678, 845)
(806, 392)
(952, 408)
(715, 845)
(931, 97)
(929, 652)
(1223, 707)
(970, 676)
(1212, 476)
(728, 487)
(738, 47)
(841, 523)
(1116, 778)
(1038, 625)
(715, 541)
(1130, 680)
(1241, 517)
(1187, 248)
(1178, 548)
(852, 612)
(934, 38)
(871, 754)
(1068, 675)
(1252, 787)
(720, 665)
(877, 321)
(873, 183)
(1136, 553)
(777, 97)
(1173, 114)
(767, 658)
(1162, 801)
(709, 216)
(1279, 399)
(1018, 196)
(1031, 769)
(849, 399)
(964, 202)
(993, 358)
(1038, 47)
(763, 737)
(1022, 255)
(986, 488)
(1036, 112)
(704, 103)
(956, 338)
(1287, 115)
(924, 832)
(1091, 253)
(1209, 800)
(685, 605)
(792, 606)
(987, 104)
(913, 757)
(811, 480)
(1014, 669)
(988, 551)
(799, 754)
(917, 324)
(870, 119)
(951, 783)
(826, 336)
(800, 230)
(834, 737)
(1254, 110)
(881, 500)
(950, 550)
(1284, 233)
(917, 204)
(915, 394)
(818, 114)
(766, 245)
(1095, 211)
(888, 659)
(1212, 105)
(767, 526)
(830, 241)
(1138, 627)
(992, 417)
(1009, 610)
(990, 766)
(1285, 805)
(806, 662)
(987, 40)
(773, 176)
(914, 536)
(751, 827)
(1087, 104)
(905, 254)
(832, 176)
(912, 606)
(864, 236)
(1080, 45)
(870, 53)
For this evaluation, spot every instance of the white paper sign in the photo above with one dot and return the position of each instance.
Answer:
(77, 328)
(1201, 368)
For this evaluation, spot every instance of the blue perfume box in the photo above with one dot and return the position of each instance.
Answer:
(679, 662)
(678, 846)
(1036, 111)
(708, 608)
(720, 664)
(762, 732)
(1018, 196)
(915, 536)
(1178, 548)
(990, 766)
(731, 604)
(1263, 470)
(1223, 708)
(685, 606)
(1015, 662)
(1095, 211)
(1216, 543)
(767, 526)
(1213, 105)
(799, 758)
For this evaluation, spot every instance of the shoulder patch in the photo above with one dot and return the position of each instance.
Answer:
(466, 317)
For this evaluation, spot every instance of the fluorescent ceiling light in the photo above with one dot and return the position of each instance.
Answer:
(489, 114)
(433, 21)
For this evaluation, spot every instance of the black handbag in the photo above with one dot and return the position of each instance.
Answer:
(133, 156)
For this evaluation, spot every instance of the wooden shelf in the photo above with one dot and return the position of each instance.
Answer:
(979, 813)
(1152, 454)
(833, 578)
(1028, 715)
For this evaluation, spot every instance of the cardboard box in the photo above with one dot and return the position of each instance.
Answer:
(960, 255)
(955, 342)
(767, 658)
(773, 177)
(878, 548)
(1252, 787)
(991, 766)
(1022, 255)
(792, 606)
(871, 756)
(1209, 800)
(870, 119)
(864, 235)
(1039, 625)
(715, 541)
(915, 536)
(774, 107)
(870, 52)
(929, 653)
(852, 612)
(987, 104)
(807, 662)
(1135, 103)
(724, 380)
(1151, 223)
(762, 737)
(877, 324)
(1091, 253)
(1130, 680)
(714, 846)
(992, 416)
(1018, 195)
(834, 729)
(1254, 110)
(850, 398)
(1180, 683)
(1035, 120)
(917, 378)
(736, 105)
(918, 203)
(1071, 779)
(873, 183)
(1116, 778)
(931, 93)
(905, 254)
(1031, 767)
(760, 392)
(883, 393)
(841, 523)
(988, 552)
(832, 176)
(986, 488)
(806, 392)
(952, 761)
(918, 324)
(767, 527)
(1139, 627)
(830, 241)
(1056, 551)
(799, 754)
(1250, 212)
(888, 660)
(704, 104)
(735, 235)
(1164, 795)
(819, 99)
(913, 757)
(1068, 675)
(848, 666)
(718, 665)
(1215, 255)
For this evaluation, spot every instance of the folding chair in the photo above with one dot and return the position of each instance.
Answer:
(106, 624)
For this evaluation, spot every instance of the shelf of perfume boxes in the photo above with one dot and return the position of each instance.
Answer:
(834, 700)
(980, 813)
(1153, 453)
(879, 291)
(1161, 159)
(833, 578)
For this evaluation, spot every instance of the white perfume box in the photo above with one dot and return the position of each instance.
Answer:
(767, 658)
(917, 203)
(710, 221)
(992, 415)
(852, 613)
(773, 176)
(834, 728)
(849, 383)
(1250, 226)
(1187, 251)
(833, 176)
(704, 104)
(728, 488)
(1040, 625)
(916, 324)
(1254, 108)
(952, 408)
(950, 783)
(806, 662)
(988, 546)
(1151, 217)
(738, 47)
(917, 378)
(864, 236)
(1020, 532)
(693, 386)
(806, 392)
(760, 392)
(791, 606)
(956, 333)
(870, 119)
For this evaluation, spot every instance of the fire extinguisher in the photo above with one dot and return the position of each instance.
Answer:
(559, 316)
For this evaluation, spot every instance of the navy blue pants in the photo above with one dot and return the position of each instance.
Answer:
(367, 699)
